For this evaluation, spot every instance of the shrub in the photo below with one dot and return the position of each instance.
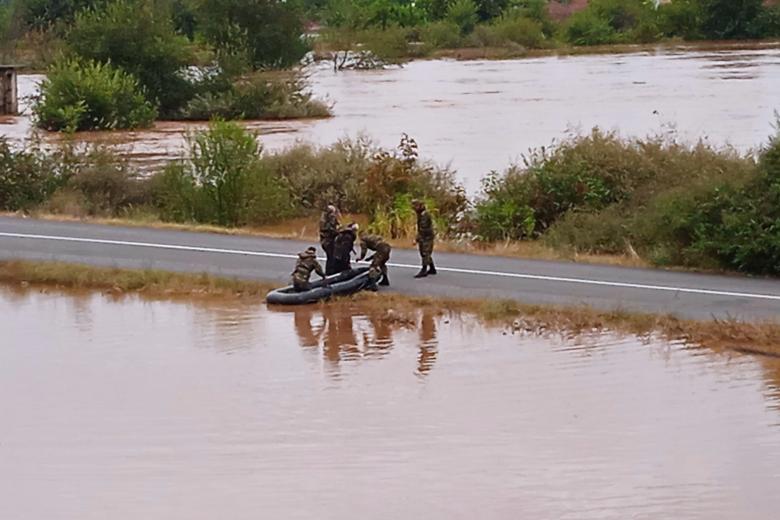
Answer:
(726, 19)
(79, 95)
(269, 31)
(259, 96)
(42, 14)
(27, 178)
(605, 232)
(360, 178)
(442, 35)
(767, 23)
(681, 18)
(594, 173)
(140, 39)
(587, 28)
(608, 21)
(389, 44)
(463, 14)
(730, 224)
(520, 30)
(222, 181)
(107, 185)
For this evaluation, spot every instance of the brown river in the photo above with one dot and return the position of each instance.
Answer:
(125, 408)
(479, 116)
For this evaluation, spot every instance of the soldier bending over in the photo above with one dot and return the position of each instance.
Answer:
(378, 268)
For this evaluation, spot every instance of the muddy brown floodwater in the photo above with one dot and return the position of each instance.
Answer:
(481, 115)
(127, 408)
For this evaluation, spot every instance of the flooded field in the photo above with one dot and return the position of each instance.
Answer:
(125, 408)
(481, 115)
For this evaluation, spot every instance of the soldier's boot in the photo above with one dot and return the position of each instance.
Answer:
(423, 273)
(432, 268)
(385, 281)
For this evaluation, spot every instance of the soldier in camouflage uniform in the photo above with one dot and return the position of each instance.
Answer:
(306, 263)
(424, 239)
(343, 247)
(329, 228)
(378, 268)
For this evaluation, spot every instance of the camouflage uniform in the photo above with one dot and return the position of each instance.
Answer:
(378, 266)
(329, 228)
(343, 246)
(424, 239)
(306, 263)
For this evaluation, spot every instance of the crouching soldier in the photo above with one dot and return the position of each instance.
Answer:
(378, 268)
(424, 239)
(306, 263)
(343, 247)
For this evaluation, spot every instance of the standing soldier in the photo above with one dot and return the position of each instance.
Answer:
(343, 247)
(379, 259)
(329, 228)
(306, 263)
(424, 239)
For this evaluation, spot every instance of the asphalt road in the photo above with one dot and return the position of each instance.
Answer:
(460, 275)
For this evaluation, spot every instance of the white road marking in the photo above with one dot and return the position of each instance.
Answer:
(523, 276)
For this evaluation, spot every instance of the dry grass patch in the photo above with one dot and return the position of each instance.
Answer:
(148, 281)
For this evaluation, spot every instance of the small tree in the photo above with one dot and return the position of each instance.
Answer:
(139, 38)
(463, 13)
(269, 31)
(726, 19)
(222, 159)
(87, 95)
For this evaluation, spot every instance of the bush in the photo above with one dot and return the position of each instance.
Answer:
(139, 38)
(726, 19)
(360, 178)
(587, 28)
(388, 45)
(222, 181)
(260, 96)
(442, 35)
(27, 178)
(766, 24)
(520, 30)
(681, 18)
(729, 224)
(609, 21)
(79, 95)
(43, 14)
(463, 14)
(594, 173)
(106, 185)
(268, 31)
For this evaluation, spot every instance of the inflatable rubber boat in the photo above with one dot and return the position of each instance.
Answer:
(344, 283)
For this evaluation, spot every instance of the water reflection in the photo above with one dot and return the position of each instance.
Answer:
(107, 399)
(346, 334)
(429, 344)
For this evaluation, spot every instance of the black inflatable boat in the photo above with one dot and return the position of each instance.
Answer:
(344, 283)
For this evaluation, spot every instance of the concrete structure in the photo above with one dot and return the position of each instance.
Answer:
(9, 104)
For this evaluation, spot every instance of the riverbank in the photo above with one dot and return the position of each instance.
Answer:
(498, 53)
(517, 318)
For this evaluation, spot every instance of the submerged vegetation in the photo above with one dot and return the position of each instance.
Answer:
(121, 63)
